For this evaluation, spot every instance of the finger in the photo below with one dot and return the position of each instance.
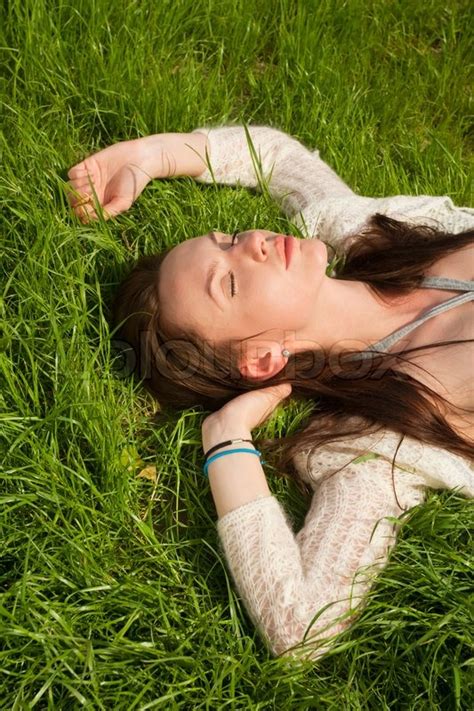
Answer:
(86, 213)
(277, 393)
(86, 167)
(78, 171)
(280, 391)
(81, 183)
(83, 186)
(77, 199)
(78, 191)
(117, 205)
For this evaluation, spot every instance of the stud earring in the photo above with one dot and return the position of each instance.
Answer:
(285, 353)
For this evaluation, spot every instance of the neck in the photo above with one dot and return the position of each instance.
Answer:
(362, 317)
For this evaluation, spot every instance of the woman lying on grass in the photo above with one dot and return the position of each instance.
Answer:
(236, 322)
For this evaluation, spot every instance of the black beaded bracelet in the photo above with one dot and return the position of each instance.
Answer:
(224, 444)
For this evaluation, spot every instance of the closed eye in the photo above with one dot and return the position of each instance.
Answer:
(233, 290)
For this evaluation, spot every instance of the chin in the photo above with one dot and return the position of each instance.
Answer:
(318, 248)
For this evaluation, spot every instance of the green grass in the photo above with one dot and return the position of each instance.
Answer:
(114, 593)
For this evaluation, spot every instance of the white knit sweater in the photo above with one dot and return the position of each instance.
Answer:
(323, 572)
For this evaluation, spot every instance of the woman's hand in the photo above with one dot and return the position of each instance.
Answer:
(117, 175)
(242, 414)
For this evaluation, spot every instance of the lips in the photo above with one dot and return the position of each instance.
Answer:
(280, 248)
(289, 245)
(284, 246)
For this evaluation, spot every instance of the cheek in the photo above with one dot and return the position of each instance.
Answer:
(298, 309)
(297, 299)
(286, 305)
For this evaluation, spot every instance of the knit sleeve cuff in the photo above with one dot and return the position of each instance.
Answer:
(242, 513)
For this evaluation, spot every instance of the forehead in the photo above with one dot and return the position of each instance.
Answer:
(184, 260)
(182, 288)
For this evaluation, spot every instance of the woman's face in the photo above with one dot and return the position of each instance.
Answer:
(227, 291)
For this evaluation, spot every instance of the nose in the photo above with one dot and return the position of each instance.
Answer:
(255, 243)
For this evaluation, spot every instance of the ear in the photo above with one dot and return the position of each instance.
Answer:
(261, 360)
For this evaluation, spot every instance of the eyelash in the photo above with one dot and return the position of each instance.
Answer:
(232, 278)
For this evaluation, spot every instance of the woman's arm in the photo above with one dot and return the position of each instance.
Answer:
(309, 191)
(325, 570)
(230, 155)
(285, 581)
(294, 175)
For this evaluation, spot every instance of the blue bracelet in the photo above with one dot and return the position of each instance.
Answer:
(229, 451)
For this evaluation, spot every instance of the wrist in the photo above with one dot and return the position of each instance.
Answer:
(215, 431)
(151, 149)
(170, 155)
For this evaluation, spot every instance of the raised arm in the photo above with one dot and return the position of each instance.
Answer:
(308, 190)
(230, 155)
(311, 584)
(294, 175)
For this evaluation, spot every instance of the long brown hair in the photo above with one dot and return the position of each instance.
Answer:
(351, 398)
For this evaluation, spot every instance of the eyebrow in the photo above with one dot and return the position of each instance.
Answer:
(211, 273)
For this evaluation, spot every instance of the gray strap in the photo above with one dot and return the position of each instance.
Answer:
(447, 283)
(387, 342)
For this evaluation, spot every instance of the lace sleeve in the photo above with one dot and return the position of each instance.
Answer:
(295, 176)
(311, 583)
(310, 193)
